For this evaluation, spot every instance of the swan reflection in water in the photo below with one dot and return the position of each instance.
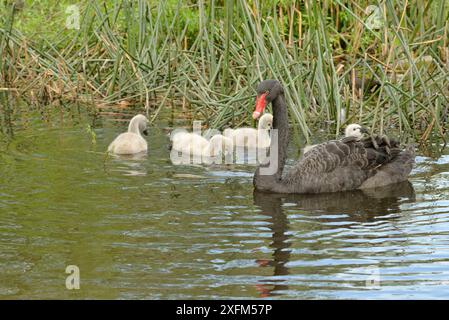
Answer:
(358, 206)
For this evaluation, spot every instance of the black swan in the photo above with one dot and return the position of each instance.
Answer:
(336, 165)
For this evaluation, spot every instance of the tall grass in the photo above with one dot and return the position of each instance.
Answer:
(386, 66)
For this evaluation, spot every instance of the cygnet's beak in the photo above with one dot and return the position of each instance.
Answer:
(364, 130)
(145, 132)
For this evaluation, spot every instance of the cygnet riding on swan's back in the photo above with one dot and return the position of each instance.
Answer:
(131, 142)
(196, 145)
(353, 130)
(250, 137)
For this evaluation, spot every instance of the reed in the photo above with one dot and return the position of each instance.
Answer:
(384, 65)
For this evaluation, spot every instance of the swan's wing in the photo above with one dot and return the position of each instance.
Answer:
(348, 152)
(396, 170)
(336, 165)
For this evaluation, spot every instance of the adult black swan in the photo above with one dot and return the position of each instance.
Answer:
(336, 165)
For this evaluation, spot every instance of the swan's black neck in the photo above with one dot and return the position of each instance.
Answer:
(280, 124)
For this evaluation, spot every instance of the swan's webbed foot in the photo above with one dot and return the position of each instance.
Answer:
(389, 144)
(380, 143)
(383, 144)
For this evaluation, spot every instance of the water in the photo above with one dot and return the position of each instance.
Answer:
(145, 229)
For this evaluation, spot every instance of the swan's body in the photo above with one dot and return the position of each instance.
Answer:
(337, 165)
(196, 145)
(250, 137)
(131, 142)
(353, 130)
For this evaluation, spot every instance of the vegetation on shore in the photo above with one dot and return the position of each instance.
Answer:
(381, 63)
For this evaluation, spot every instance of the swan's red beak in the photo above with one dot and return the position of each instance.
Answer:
(261, 103)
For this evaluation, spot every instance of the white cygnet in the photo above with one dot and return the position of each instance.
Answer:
(250, 137)
(189, 143)
(352, 130)
(355, 130)
(131, 142)
(196, 145)
(218, 145)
